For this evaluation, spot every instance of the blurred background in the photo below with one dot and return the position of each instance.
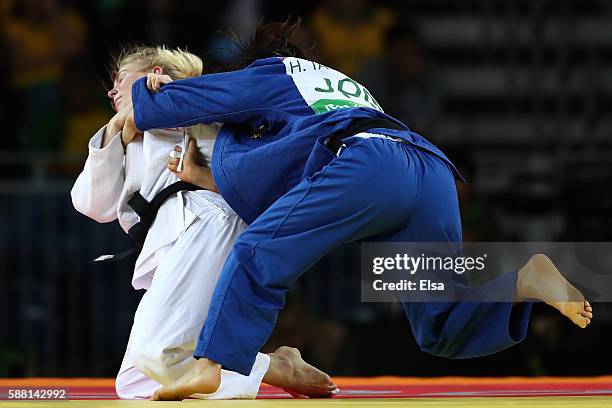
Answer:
(518, 92)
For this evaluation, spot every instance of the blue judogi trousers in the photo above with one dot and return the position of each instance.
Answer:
(376, 189)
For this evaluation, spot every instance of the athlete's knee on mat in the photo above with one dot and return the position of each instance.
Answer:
(151, 364)
(162, 365)
(122, 388)
(124, 391)
(129, 388)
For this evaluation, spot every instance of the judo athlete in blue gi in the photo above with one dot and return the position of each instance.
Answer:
(278, 165)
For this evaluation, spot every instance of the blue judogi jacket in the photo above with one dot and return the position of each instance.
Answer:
(277, 113)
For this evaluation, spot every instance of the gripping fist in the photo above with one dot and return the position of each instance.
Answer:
(129, 131)
(193, 172)
(155, 81)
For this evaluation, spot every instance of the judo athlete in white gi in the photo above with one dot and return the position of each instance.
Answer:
(184, 250)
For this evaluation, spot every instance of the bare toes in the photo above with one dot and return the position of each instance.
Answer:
(295, 394)
(586, 321)
(578, 320)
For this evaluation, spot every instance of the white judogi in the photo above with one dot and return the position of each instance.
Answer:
(180, 261)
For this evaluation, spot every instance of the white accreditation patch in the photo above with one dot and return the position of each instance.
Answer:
(103, 258)
(325, 89)
(179, 167)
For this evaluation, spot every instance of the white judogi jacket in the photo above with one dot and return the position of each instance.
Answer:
(111, 176)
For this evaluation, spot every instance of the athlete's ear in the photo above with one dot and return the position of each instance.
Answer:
(157, 70)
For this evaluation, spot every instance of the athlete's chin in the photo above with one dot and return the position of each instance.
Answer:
(119, 104)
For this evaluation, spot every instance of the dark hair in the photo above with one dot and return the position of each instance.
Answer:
(268, 40)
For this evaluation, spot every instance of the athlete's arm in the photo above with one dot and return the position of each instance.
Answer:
(228, 97)
(98, 188)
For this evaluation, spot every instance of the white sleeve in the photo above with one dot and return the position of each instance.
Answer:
(97, 190)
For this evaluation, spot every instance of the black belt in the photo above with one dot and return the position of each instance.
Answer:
(334, 142)
(147, 211)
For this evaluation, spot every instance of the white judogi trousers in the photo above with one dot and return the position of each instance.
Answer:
(172, 311)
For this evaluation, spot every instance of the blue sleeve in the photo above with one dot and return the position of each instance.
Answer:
(228, 97)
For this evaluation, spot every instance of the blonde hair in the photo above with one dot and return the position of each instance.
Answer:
(176, 63)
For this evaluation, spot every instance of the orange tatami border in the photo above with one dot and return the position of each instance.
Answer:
(341, 381)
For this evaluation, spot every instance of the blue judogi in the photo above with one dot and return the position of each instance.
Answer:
(302, 200)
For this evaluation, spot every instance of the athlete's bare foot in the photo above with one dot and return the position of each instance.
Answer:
(540, 279)
(204, 378)
(291, 373)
